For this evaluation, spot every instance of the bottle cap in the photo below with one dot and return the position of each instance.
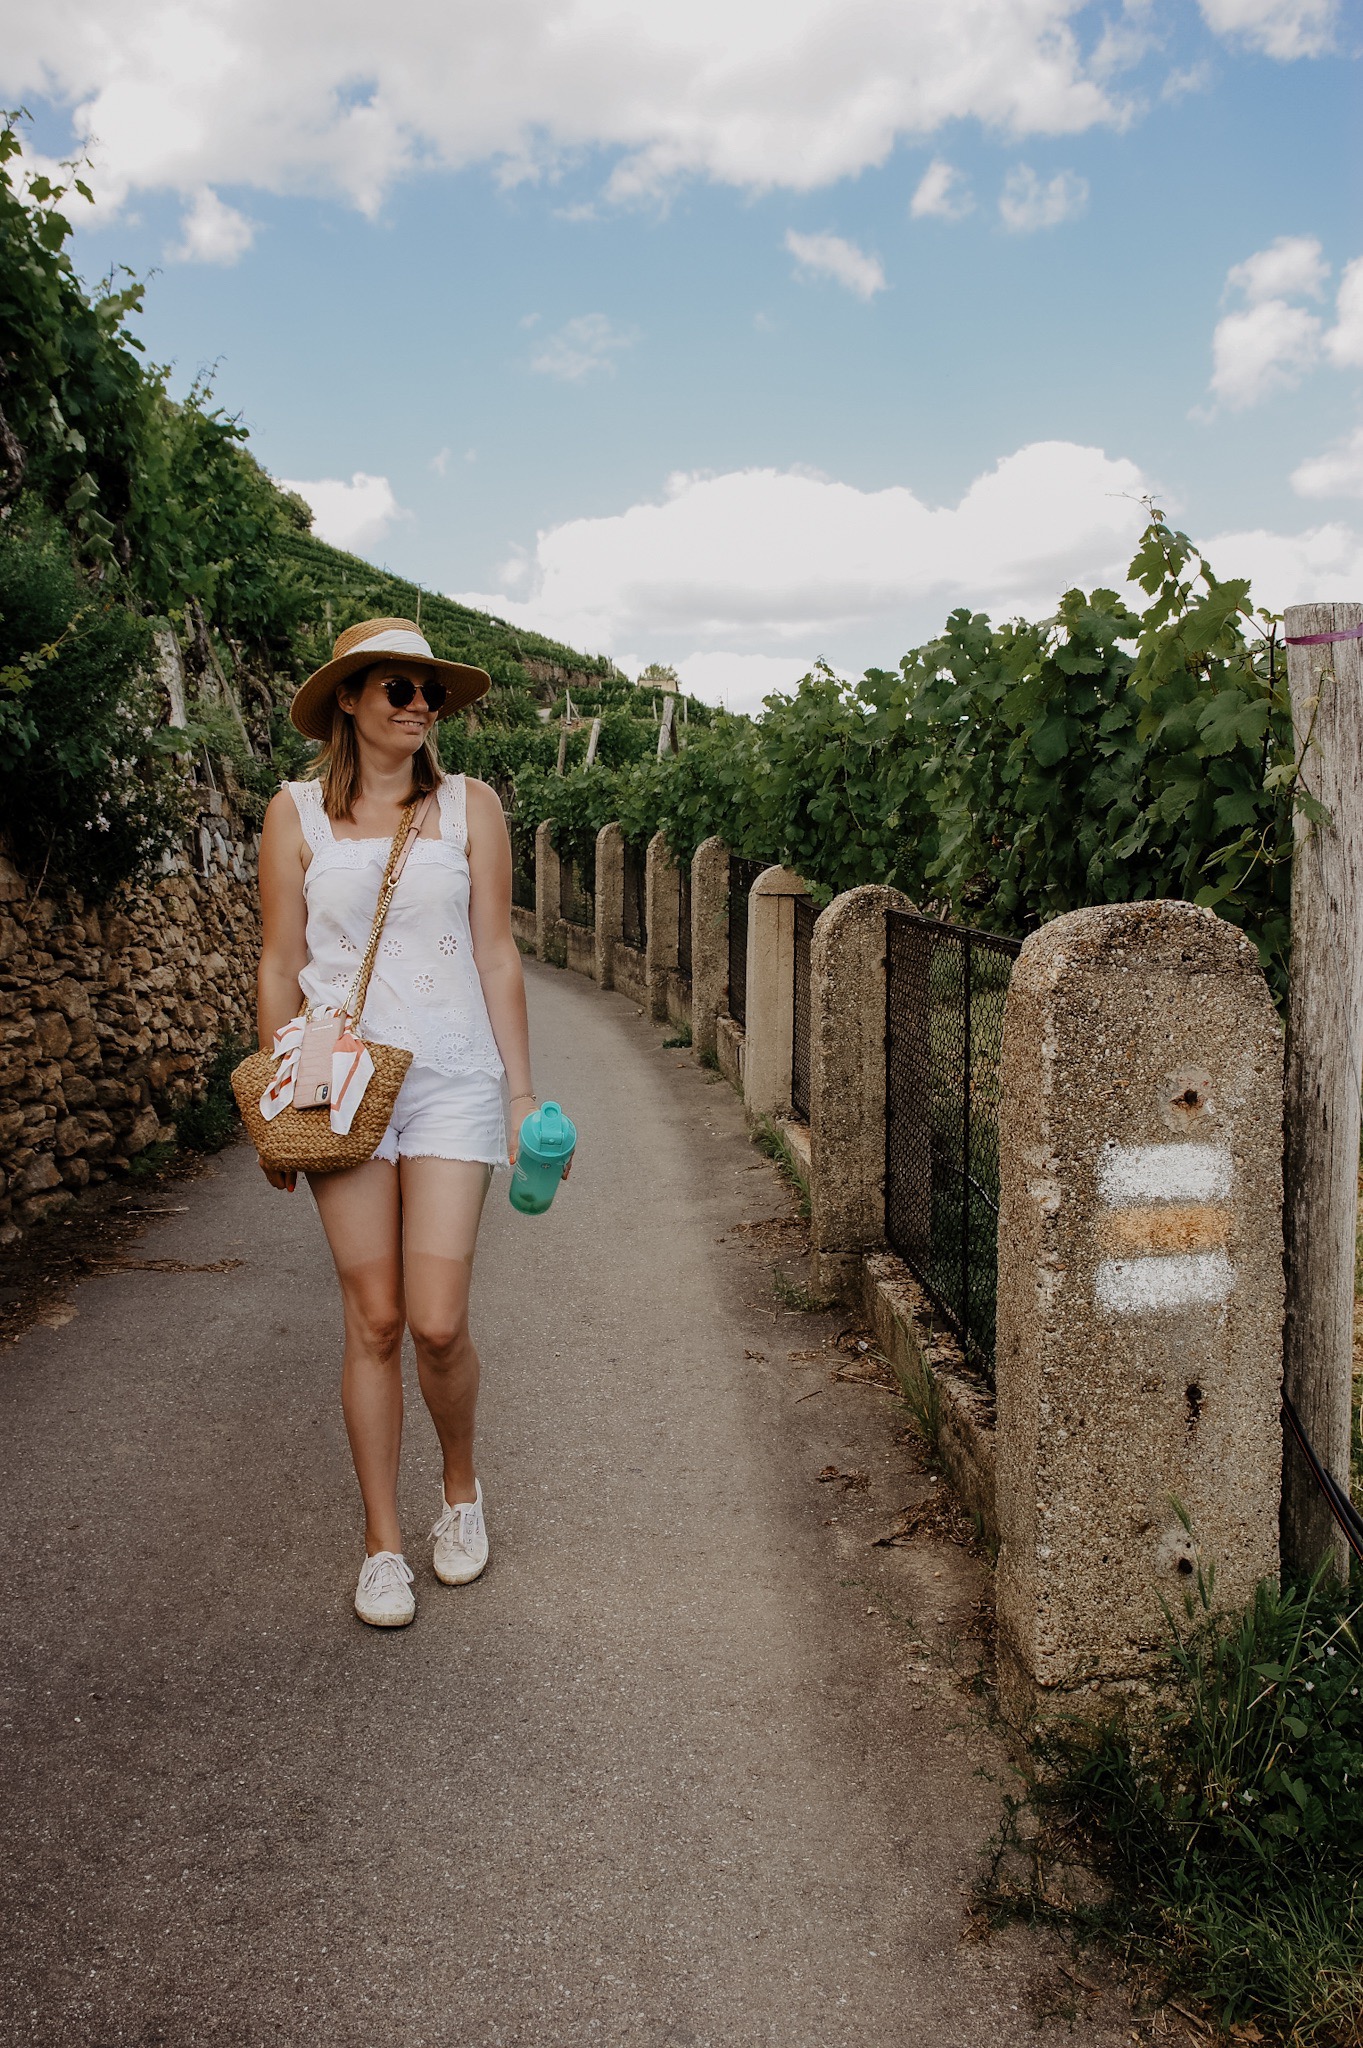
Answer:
(551, 1132)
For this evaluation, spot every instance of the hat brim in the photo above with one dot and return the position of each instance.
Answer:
(310, 711)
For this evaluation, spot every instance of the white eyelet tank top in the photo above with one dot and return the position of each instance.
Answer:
(424, 993)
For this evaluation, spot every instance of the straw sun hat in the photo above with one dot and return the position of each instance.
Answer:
(370, 641)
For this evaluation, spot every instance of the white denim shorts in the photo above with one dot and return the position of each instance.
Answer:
(446, 1116)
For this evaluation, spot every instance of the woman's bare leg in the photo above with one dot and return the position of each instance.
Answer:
(360, 1215)
(442, 1204)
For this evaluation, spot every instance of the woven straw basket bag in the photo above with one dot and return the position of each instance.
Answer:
(302, 1140)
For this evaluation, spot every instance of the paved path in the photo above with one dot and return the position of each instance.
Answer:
(671, 1773)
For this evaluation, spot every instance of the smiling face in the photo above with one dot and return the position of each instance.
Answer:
(381, 725)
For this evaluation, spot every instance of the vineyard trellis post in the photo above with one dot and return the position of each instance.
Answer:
(1324, 1066)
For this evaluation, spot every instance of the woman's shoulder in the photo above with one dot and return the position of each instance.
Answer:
(283, 808)
(482, 805)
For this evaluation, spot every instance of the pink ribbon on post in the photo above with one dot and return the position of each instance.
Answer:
(1322, 639)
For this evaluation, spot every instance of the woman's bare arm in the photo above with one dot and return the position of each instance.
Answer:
(283, 918)
(495, 952)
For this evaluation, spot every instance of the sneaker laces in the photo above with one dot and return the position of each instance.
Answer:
(466, 1513)
(386, 1572)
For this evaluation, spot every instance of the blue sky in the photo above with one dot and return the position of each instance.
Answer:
(657, 328)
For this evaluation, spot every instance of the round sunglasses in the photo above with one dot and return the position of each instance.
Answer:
(400, 692)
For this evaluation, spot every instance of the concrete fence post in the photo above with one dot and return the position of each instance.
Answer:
(662, 908)
(610, 900)
(546, 890)
(709, 943)
(771, 989)
(847, 1082)
(1324, 1059)
(1140, 1293)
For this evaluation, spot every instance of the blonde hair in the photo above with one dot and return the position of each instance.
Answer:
(337, 766)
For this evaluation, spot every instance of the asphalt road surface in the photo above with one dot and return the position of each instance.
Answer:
(691, 1764)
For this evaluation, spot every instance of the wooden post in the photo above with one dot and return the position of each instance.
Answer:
(1324, 1066)
(667, 730)
(593, 739)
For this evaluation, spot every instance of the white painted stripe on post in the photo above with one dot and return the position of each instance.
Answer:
(1164, 1173)
(1180, 1280)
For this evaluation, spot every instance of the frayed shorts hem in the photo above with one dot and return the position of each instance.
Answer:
(446, 1116)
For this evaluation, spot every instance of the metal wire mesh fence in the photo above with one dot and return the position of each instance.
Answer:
(576, 896)
(944, 994)
(684, 920)
(742, 875)
(635, 919)
(799, 1044)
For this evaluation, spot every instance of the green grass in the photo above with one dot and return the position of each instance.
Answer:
(1230, 1831)
(799, 1299)
(769, 1141)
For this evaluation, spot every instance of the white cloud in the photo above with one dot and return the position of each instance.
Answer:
(1322, 565)
(762, 561)
(1338, 473)
(844, 262)
(1344, 342)
(440, 461)
(581, 346)
(942, 193)
(1291, 267)
(1264, 349)
(338, 97)
(1026, 203)
(211, 231)
(352, 515)
(740, 681)
(1279, 28)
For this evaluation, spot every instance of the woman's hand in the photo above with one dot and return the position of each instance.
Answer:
(522, 1106)
(282, 1177)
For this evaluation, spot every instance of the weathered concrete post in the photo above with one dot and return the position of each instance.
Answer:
(771, 991)
(1140, 1291)
(661, 910)
(546, 890)
(709, 942)
(610, 900)
(847, 1082)
(1324, 1066)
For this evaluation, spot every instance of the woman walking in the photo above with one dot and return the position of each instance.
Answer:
(447, 986)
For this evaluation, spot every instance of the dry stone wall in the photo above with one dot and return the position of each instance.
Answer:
(110, 1013)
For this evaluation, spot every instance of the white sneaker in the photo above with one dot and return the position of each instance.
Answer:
(384, 1595)
(461, 1540)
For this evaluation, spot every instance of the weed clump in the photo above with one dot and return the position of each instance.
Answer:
(1229, 1830)
(207, 1122)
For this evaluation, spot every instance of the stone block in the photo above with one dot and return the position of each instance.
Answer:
(709, 943)
(1140, 1293)
(771, 991)
(39, 1174)
(53, 1034)
(39, 1207)
(144, 1132)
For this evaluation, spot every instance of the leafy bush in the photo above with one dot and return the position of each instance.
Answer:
(89, 790)
(1009, 772)
(1231, 1832)
(207, 1122)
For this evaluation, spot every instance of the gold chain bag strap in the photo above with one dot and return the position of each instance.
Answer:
(301, 1140)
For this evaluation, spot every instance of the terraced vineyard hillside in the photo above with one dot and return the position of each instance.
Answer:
(347, 588)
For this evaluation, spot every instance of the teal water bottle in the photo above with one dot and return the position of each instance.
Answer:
(548, 1139)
